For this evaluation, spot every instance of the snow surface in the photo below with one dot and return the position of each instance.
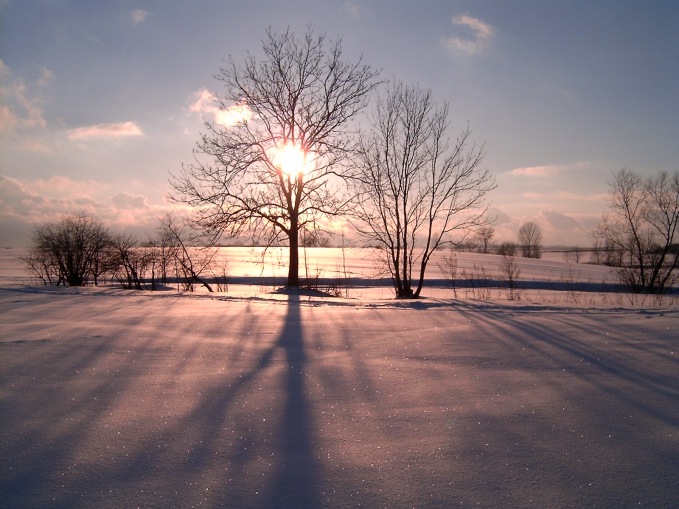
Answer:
(565, 398)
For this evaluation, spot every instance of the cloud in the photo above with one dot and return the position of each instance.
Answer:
(26, 203)
(138, 16)
(351, 9)
(565, 197)
(113, 130)
(236, 114)
(128, 201)
(549, 170)
(205, 103)
(559, 221)
(537, 171)
(60, 188)
(474, 42)
(21, 102)
(500, 217)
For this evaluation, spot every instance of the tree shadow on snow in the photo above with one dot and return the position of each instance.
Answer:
(297, 479)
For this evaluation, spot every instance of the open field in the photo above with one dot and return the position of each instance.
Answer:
(254, 271)
(568, 397)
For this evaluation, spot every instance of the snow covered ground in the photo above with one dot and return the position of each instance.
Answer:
(565, 397)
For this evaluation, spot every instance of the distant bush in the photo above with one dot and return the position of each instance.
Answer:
(78, 250)
(71, 251)
(507, 249)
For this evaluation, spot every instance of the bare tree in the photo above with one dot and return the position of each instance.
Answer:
(510, 270)
(129, 263)
(573, 255)
(39, 263)
(641, 224)
(414, 188)
(485, 233)
(271, 170)
(448, 265)
(193, 261)
(530, 240)
(69, 251)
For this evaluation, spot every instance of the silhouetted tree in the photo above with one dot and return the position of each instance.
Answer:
(414, 188)
(295, 107)
(530, 240)
(70, 251)
(641, 225)
(510, 270)
(485, 233)
(192, 259)
(129, 262)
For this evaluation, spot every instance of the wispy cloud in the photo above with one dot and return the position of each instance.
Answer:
(537, 171)
(569, 197)
(550, 170)
(113, 130)
(351, 8)
(478, 36)
(21, 102)
(138, 16)
(204, 103)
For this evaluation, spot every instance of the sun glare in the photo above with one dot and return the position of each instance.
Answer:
(291, 159)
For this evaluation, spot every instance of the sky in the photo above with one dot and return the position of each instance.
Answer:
(101, 100)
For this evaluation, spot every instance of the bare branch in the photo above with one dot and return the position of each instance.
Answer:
(414, 189)
(302, 94)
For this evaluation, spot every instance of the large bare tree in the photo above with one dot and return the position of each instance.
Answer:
(415, 189)
(641, 224)
(269, 167)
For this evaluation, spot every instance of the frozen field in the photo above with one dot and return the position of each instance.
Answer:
(566, 398)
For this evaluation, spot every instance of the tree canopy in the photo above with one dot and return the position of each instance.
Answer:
(267, 166)
(415, 187)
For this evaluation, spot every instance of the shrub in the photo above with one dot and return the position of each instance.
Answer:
(70, 251)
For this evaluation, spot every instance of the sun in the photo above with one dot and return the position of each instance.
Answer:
(290, 159)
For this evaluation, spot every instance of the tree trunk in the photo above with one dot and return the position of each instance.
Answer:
(420, 280)
(293, 267)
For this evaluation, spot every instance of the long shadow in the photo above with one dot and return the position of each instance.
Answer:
(298, 477)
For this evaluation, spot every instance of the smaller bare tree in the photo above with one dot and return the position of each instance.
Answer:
(193, 260)
(415, 189)
(484, 234)
(39, 264)
(129, 263)
(572, 255)
(641, 225)
(448, 265)
(530, 240)
(510, 271)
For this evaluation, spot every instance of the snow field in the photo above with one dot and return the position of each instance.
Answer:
(113, 398)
